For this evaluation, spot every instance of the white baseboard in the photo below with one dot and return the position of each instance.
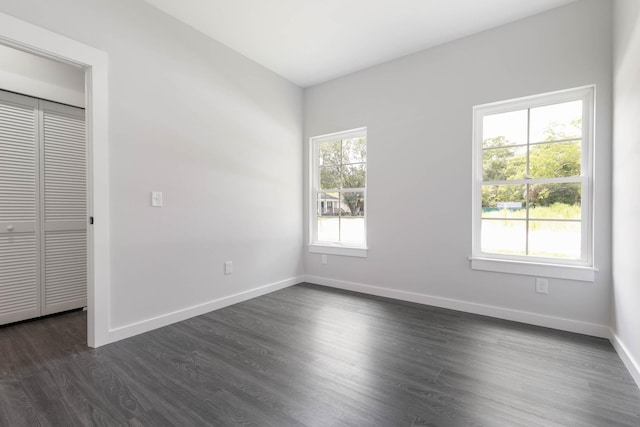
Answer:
(147, 325)
(552, 322)
(630, 363)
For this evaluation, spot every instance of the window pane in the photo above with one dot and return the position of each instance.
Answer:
(340, 165)
(555, 160)
(503, 201)
(330, 153)
(555, 201)
(556, 122)
(353, 204)
(504, 129)
(330, 178)
(352, 230)
(328, 229)
(532, 177)
(354, 150)
(499, 164)
(353, 176)
(504, 237)
(555, 239)
(328, 204)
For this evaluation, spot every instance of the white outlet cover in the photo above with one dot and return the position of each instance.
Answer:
(542, 285)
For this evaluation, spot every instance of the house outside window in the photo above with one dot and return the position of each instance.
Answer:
(532, 185)
(338, 193)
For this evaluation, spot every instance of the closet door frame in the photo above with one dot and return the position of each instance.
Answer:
(30, 38)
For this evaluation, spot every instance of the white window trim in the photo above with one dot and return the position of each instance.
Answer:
(583, 269)
(332, 248)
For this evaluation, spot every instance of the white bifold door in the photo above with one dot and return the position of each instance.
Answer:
(43, 208)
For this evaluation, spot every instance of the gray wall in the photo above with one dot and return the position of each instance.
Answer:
(39, 77)
(418, 110)
(217, 133)
(626, 175)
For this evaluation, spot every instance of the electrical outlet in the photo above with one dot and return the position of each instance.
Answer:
(542, 285)
(324, 259)
(228, 267)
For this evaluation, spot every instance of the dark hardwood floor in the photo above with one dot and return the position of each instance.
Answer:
(313, 356)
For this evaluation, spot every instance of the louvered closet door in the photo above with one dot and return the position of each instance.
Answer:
(19, 269)
(64, 199)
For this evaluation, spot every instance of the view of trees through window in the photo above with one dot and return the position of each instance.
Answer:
(341, 190)
(532, 184)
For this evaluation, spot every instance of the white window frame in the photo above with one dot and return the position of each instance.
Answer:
(332, 248)
(582, 269)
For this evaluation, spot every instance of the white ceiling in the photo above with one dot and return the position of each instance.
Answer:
(311, 41)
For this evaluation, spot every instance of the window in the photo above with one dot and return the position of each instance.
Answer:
(532, 185)
(338, 193)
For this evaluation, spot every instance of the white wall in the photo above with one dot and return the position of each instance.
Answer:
(39, 77)
(218, 134)
(626, 175)
(418, 110)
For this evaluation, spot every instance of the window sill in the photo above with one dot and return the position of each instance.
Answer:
(569, 272)
(337, 250)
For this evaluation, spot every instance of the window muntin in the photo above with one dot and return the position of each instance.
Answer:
(339, 175)
(532, 178)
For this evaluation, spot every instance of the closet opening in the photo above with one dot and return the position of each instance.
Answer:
(45, 192)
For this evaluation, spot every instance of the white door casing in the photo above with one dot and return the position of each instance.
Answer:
(31, 38)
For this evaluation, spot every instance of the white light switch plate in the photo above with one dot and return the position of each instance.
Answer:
(156, 199)
(228, 267)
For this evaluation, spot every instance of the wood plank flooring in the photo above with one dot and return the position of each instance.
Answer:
(313, 356)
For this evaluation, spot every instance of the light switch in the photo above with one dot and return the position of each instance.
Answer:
(156, 199)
